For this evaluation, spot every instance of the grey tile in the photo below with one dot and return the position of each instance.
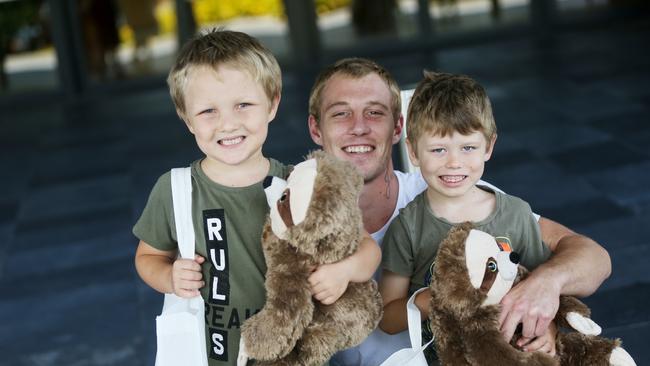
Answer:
(628, 184)
(542, 141)
(597, 157)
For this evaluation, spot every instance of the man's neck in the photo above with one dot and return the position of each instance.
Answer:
(378, 200)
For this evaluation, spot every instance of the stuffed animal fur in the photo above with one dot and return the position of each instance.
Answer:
(314, 219)
(472, 273)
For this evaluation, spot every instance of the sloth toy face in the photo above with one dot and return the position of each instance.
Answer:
(289, 200)
(491, 263)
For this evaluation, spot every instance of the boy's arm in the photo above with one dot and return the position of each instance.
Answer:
(394, 292)
(329, 281)
(164, 273)
(577, 267)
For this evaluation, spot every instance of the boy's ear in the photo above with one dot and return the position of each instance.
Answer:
(274, 107)
(185, 120)
(490, 147)
(397, 131)
(412, 154)
(314, 130)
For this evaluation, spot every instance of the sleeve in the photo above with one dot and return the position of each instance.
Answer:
(397, 249)
(156, 223)
(533, 250)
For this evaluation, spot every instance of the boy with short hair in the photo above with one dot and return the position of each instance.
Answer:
(226, 88)
(451, 134)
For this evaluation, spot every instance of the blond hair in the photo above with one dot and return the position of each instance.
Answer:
(355, 68)
(446, 103)
(218, 47)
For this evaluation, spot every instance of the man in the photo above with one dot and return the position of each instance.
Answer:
(354, 113)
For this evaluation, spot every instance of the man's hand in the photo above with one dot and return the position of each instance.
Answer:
(532, 302)
(187, 278)
(329, 281)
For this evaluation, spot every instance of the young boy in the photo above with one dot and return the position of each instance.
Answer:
(226, 88)
(451, 134)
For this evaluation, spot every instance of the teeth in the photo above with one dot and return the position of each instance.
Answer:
(452, 178)
(358, 149)
(233, 141)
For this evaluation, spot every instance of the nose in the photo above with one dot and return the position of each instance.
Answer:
(453, 160)
(228, 122)
(514, 257)
(359, 125)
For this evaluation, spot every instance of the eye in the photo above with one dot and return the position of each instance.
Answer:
(438, 150)
(469, 148)
(207, 111)
(283, 197)
(492, 265)
(243, 105)
(375, 113)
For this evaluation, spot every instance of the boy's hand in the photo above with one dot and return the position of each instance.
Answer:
(545, 343)
(328, 282)
(187, 278)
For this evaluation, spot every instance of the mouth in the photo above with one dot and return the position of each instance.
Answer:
(452, 179)
(358, 149)
(231, 141)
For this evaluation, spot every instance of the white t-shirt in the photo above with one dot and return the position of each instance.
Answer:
(380, 345)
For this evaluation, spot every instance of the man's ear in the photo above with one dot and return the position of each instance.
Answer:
(412, 154)
(397, 131)
(314, 130)
(490, 147)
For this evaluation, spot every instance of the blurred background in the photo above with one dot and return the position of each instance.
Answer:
(87, 126)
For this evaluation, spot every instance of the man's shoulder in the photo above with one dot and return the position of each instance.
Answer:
(410, 185)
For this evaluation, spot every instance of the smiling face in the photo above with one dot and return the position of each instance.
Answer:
(228, 113)
(356, 123)
(451, 165)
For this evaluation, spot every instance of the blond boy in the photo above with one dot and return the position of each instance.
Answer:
(226, 88)
(451, 134)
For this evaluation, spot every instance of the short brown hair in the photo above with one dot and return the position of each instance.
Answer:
(217, 47)
(355, 68)
(446, 103)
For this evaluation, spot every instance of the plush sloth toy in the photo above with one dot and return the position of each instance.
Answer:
(314, 219)
(471, 275)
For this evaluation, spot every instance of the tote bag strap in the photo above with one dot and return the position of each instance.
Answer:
(413, 356)
(182, 200)
(415, 324)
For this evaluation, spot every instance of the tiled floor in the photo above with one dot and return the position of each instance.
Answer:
(573, 136)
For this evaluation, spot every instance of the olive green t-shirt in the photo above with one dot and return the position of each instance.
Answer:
(228, 228)
(412, 240)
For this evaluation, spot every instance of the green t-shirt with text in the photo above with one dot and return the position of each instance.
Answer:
(228, 227)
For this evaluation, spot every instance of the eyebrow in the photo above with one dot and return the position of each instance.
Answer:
(373, 103)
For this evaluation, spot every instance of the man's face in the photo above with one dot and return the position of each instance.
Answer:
(357, 123)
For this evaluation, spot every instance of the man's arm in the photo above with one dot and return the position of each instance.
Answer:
(329, 281)
(577, 267)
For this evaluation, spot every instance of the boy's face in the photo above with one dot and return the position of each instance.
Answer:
(228, 113)
(357, 124)
(451, 165)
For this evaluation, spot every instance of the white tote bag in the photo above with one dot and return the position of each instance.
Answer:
(180, 328)
(413, 356)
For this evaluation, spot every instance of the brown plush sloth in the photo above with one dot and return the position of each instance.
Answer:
(314, 219)
(471, 275)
